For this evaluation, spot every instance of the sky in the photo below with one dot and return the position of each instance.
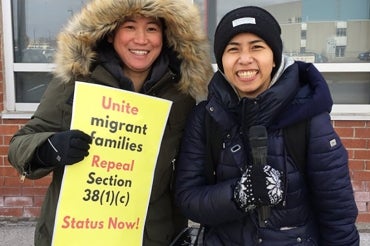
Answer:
(45, 18)
(225, 6)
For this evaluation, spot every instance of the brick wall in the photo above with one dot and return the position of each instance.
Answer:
(23, 200)
(17, 199)
(356, 137)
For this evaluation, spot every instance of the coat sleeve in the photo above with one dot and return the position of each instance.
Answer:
(52, 115)
(330, 184)
(208, 204)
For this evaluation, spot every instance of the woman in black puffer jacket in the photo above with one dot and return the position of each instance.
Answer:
(257, 86)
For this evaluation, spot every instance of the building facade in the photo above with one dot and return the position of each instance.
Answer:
(333, 39)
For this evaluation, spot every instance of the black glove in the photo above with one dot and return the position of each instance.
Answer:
(63, 148)
(258, 186)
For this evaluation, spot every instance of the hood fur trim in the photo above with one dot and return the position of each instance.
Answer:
(184, 33)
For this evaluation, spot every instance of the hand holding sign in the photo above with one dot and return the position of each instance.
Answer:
(64, 148)
(104, 199)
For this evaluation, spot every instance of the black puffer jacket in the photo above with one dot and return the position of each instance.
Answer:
(323, 212)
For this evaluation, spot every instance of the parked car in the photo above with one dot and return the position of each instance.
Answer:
(364, 56)
(308, 57)
(320, 58)
(49, 54)
(33, 56)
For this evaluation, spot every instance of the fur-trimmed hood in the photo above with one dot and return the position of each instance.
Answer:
(184, 34)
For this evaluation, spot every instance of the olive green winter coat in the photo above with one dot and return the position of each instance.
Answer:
(77, 59)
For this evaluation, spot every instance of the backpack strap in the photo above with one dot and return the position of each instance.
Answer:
(296, 139)
(213, 147)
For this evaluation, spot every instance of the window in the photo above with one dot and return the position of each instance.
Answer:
(30, 29)
(341, 32)
(339, 51)
(303, 34)
(336, 39)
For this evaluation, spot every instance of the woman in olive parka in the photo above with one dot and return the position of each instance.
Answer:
(153, 47)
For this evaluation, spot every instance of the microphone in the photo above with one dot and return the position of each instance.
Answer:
(258, 144)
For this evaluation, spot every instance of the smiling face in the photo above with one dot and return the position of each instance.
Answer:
(138, 42)
(248, 62)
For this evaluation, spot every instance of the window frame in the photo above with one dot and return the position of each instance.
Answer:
(13, 110)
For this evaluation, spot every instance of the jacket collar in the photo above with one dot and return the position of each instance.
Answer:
(299, 93)
(184, 35)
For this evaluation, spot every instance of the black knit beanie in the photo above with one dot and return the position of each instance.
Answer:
(249, 19)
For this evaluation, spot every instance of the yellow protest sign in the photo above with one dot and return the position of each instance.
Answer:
(104, 198)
